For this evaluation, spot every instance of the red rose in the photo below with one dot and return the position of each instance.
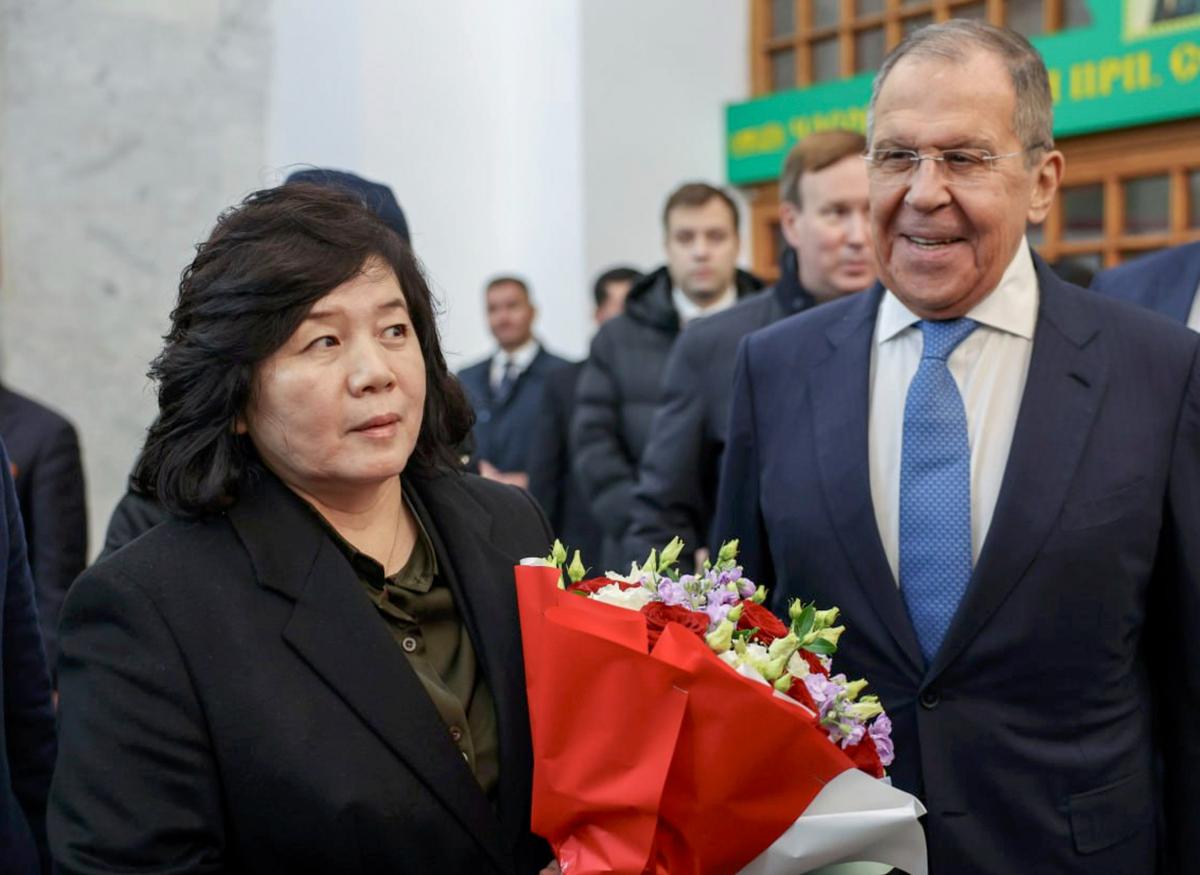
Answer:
(595, 584)
(658, 615)
(800, 693)
(865, 756)
(814, 662)
(755, 616)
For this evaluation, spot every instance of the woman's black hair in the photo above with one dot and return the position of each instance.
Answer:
(253, 281)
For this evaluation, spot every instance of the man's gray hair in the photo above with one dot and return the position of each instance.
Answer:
(958, 38)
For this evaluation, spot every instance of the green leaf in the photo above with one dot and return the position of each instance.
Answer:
(821, 646)
(803, 624)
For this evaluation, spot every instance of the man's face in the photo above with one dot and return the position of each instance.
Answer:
(942, 248)
(510, 315)
(702, 249)
(615, 293)
(831, 231)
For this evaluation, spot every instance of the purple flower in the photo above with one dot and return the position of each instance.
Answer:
(717, 612)
(855, 735)
(881, 734)
(747, 587)
(671, 592)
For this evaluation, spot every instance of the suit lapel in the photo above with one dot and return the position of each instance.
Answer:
(1062, 395)
(337, 632)
(481, 577)
(839, 387)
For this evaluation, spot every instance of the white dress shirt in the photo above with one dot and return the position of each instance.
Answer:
(521, 357)
(989, 367)
(689, 309)
(1194, 314)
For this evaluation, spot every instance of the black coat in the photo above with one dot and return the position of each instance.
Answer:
(50, 489)
(618, 392)
(504, 425)
(552, 478)
(231, 700)
(677, 481)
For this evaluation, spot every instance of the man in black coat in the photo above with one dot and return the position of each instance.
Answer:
(1167, 282)
(824, 217)
(27, 717)
(620, 385)
(48, 470)
(552, 478)
(505, 389)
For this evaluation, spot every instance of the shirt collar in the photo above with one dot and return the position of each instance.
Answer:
(1011, 307)
(689, 309)
(522, 357)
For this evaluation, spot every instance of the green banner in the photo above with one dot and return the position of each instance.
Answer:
(1133, 65)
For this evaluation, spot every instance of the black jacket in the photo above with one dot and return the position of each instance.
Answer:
(677, 481)
(617, 395)
(552, 478)
(232, 702)
(50, 489)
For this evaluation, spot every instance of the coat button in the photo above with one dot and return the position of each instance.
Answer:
(409, 645)
(930, 699)
(456, 734)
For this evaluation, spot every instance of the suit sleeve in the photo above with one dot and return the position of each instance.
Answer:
(28, 713)
(136, 786)
(133, 516)
(669, 499)
(548, 461)
(605, 468)
(58, 553)
(739, 513)
(1175, 616)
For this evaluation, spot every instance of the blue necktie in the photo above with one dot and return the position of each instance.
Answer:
(935, 489)
(508, 379)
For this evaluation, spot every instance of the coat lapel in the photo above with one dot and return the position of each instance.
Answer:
(839, 387)
(335, 630)
(481, 577)
(1062, 395)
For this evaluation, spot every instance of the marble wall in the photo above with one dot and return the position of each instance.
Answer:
(125, 127)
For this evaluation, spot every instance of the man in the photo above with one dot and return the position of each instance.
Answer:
(824, 217)
(993, 473)
(1167, 282)
(620, 385)
(48, 470)
(552, 479)
(505, 389)
(27, 729)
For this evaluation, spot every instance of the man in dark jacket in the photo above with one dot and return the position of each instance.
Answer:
(48, 471)
(505, 389)
(620, 385)
(552, 477)
(824, 219)
(27, 719)
(1167, 282)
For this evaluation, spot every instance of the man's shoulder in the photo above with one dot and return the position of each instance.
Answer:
(475, 369)
(1139, 270)
(31, 413)
(796, 332)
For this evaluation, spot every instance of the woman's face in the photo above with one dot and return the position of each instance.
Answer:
(337, 409)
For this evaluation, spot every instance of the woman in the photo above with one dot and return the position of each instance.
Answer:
(316, 667)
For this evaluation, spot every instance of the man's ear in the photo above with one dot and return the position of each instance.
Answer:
(239, 424)
(1045, 185)
(789, 213)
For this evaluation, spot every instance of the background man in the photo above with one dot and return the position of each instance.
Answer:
(48, 470)
(619, 388)
(1167, 282)
(27, 725)
(1020, 457)
(824, 216)
(505, 389)
(552, 479)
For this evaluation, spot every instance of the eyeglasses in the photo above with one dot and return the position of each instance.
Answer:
(964, 167)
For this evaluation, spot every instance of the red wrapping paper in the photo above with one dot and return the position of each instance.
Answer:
(668, 761)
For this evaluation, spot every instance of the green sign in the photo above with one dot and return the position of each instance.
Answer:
(1126, 68)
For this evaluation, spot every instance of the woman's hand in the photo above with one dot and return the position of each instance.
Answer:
(552, 869)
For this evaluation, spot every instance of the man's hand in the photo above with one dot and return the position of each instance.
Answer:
(552, 869)
(512, 478)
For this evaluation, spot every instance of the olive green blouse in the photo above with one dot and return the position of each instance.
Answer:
(420, 613)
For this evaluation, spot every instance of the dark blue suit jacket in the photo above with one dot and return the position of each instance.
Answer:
(1032, 736)
(1165, 282)
(504, 426)
(27, 729)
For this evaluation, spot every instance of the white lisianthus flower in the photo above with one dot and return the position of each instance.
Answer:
(731, 657)
(797, 666)
(537, 562)
(634, 599)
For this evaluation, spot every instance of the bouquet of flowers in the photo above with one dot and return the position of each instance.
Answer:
(680, 727)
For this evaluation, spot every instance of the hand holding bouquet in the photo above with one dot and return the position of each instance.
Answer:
(680, 727)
